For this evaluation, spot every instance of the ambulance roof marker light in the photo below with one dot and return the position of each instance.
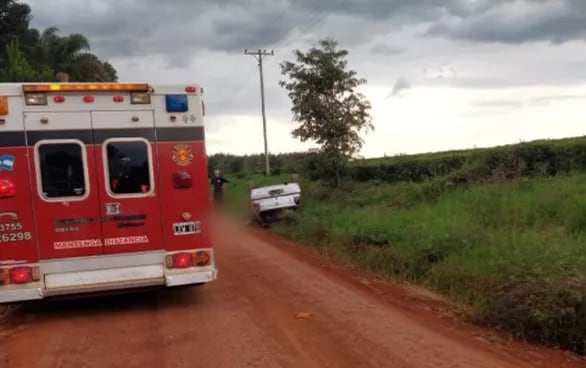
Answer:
(59, 99)
(190, 89)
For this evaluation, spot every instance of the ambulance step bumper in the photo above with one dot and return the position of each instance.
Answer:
(20, 295)
(67, 277)
(189, 278)
(102, 280)
(122, 278)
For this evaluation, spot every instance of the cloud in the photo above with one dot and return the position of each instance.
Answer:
(463, 55)
(516, 103)
(140, 28)
(498, 104)
(400, 85)
(516, 22)
(386, 50)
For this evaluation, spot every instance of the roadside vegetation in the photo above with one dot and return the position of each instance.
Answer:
(32, 55)
(502, 230)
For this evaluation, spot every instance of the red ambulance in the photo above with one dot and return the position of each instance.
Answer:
(102, 187)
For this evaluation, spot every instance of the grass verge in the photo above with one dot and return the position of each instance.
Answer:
(515, 252)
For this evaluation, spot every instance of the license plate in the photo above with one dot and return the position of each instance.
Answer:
(185, 228)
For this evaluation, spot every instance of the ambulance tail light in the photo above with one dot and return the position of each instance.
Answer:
(182, 180)
(200, 258)
(181, 260)
(35, 99)
(7, 188)
(19, 275)
(140, 98)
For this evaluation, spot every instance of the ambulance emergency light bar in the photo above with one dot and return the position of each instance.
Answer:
(36, 94)
(86, 87)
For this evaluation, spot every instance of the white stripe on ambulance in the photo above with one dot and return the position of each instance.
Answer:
(126, 240)
(92, 243)
(75, 244)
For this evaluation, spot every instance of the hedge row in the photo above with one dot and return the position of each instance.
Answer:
(534, 159)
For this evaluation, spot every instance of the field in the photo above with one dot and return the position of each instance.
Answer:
(513, 248)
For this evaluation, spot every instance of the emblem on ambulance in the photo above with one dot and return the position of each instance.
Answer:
(182, 154)
(7, 162)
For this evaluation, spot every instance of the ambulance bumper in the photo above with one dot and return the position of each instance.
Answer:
(189, 278)
(103, 274)
(19, 295)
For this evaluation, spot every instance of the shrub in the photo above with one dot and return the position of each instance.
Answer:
(535, 159)
(541, 312)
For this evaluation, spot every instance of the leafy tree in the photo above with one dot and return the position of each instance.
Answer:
(46, 52)
(60, 52)
(17, 68)
(111, 74)
(326, 104)
(70, 54)
(14, 22)
(88, 68)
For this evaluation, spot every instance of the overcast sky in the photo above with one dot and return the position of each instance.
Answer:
(442, 74)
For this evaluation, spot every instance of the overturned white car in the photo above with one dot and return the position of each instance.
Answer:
(269, 201)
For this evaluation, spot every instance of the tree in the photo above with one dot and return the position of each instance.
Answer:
(326, 104)
(46, 52)
(14, 22)
(17, 68)
(88, 68)
(111, 74)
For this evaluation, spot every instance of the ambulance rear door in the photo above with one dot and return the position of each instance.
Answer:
(65, 194)
(127, 172)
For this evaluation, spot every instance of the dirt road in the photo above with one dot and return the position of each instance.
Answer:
(275, 304)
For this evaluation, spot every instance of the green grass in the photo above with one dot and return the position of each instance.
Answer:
(515, 252)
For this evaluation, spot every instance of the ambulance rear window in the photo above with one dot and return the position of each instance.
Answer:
(62, 170)
(129, 167)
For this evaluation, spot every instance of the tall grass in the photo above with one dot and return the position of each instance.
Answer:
(515, 251)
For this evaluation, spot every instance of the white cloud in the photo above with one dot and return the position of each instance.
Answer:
(475, 79)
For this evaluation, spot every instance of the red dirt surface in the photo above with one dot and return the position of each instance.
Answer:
(275, 304)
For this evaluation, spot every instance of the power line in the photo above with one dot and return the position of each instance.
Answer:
(314, 20)
(242, 86)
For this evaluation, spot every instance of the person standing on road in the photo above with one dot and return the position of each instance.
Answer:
(218, 183)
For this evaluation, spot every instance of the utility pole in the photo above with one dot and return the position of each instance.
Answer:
(259, 54)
